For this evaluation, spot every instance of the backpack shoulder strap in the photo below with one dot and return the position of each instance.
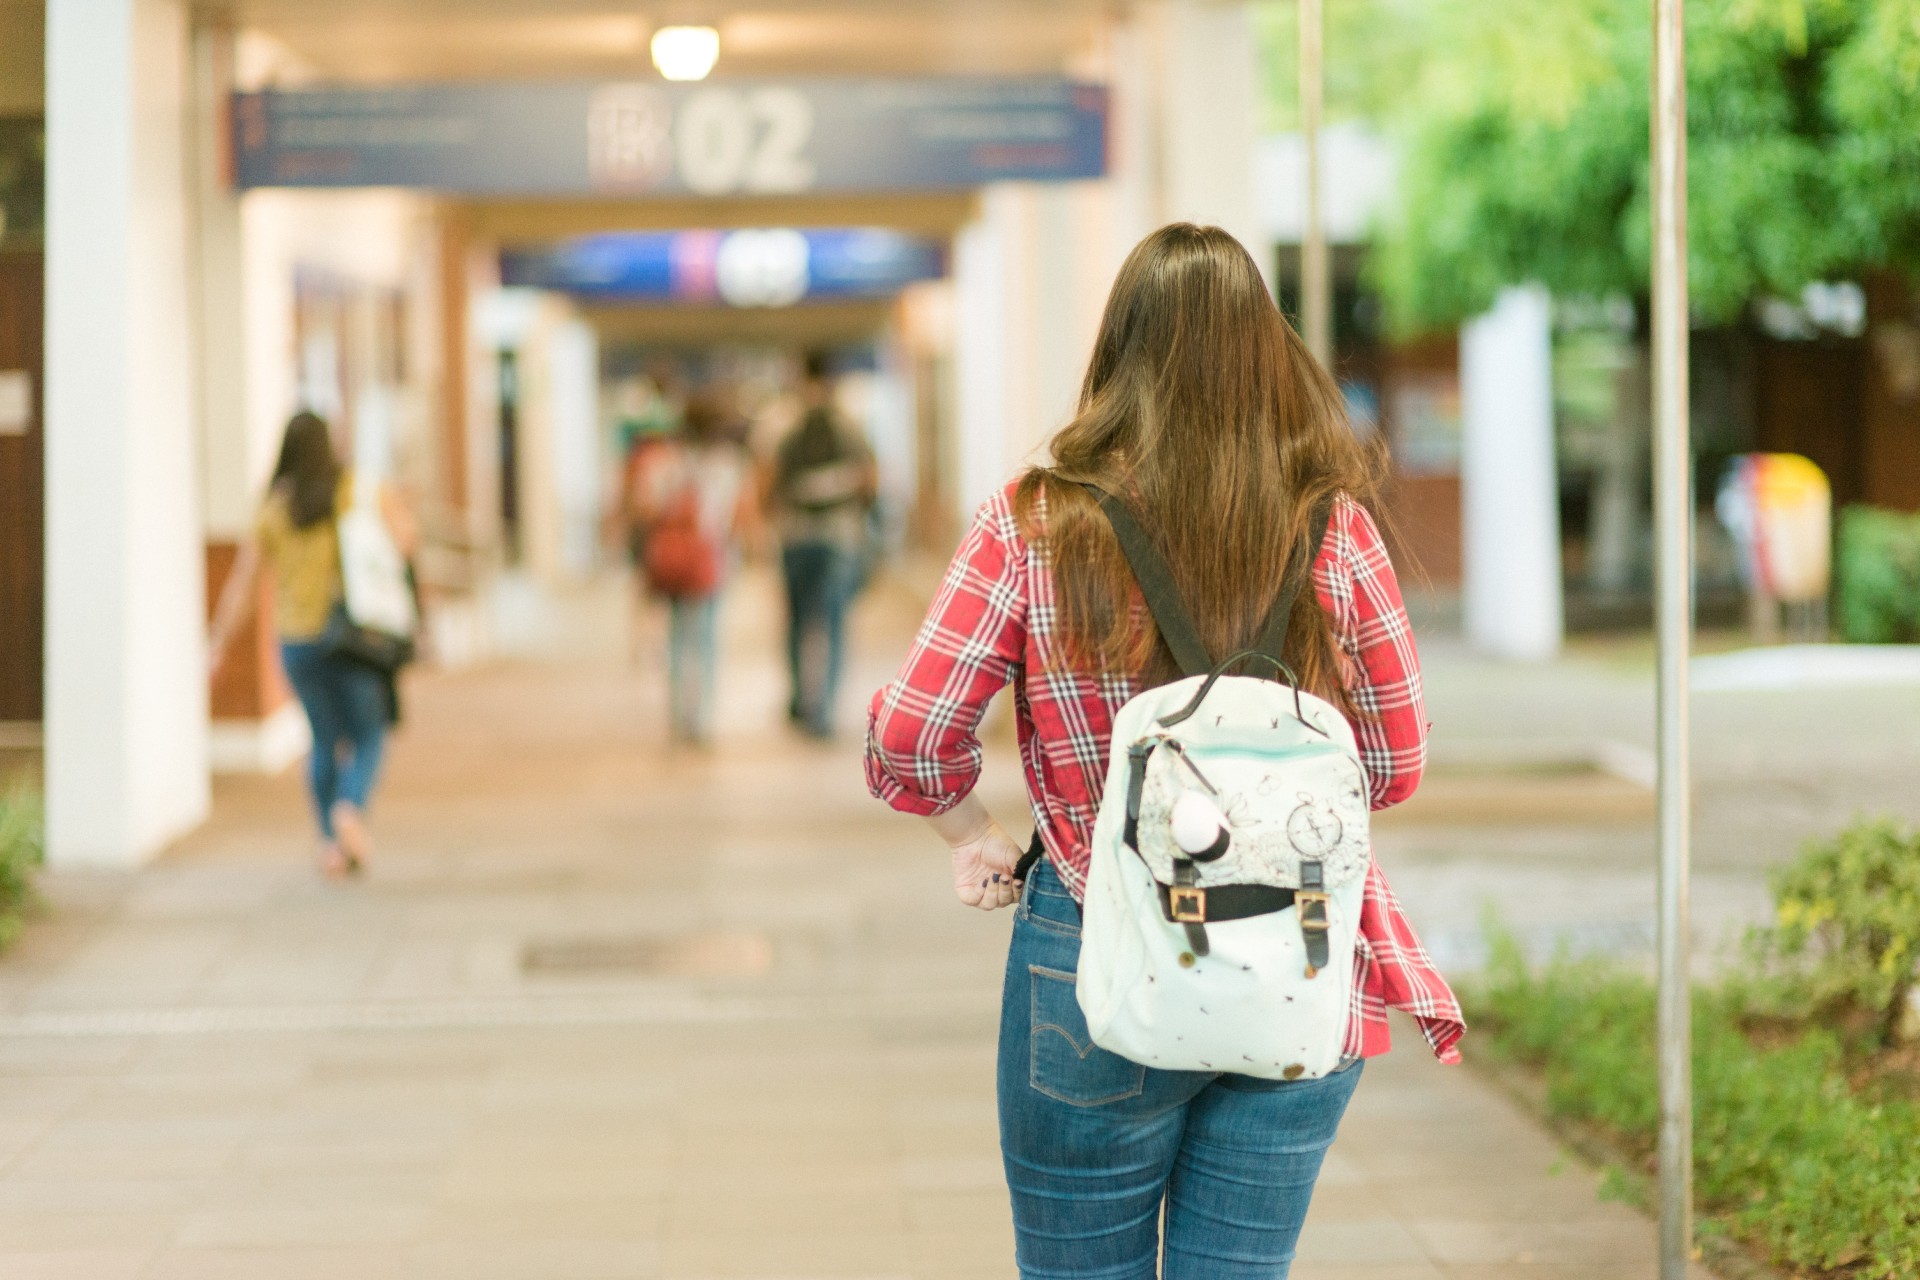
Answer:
(1273, 637)
(1156, 584)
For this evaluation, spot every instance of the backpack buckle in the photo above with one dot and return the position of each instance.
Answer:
(1313, 909)
(1187, 904)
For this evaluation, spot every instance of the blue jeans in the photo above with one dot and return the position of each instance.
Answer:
(692, 655)
(1095, 1144)
(346, 706)
(820, 581)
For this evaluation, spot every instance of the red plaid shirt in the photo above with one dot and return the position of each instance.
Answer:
(994, 623)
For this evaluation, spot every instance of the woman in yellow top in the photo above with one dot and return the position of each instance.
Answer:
(347, 703)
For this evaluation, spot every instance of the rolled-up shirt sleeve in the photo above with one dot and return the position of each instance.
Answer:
(923, 749)
(1362, 597)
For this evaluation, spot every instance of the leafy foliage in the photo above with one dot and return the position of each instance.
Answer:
(22, 849)
(1846, 937)
(1785, 1154)
(1874, 96)
(1879, 565)
(1525, 132)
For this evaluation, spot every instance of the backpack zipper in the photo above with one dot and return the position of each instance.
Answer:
(1179, 749)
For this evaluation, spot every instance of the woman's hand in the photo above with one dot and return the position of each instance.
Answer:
(984, 856)
(983, 870)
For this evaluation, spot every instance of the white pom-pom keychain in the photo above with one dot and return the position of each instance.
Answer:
(1199, 828)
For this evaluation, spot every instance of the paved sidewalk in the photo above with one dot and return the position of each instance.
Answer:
(604, 1013)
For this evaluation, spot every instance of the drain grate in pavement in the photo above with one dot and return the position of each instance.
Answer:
(693, 955)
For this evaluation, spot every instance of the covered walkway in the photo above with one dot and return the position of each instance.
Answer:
(605, 1012)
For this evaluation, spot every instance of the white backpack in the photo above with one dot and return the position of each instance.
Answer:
(375, 620)
(373, 573)
(1230, 856)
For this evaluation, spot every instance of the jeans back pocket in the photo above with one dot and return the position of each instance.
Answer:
(1066, 1064)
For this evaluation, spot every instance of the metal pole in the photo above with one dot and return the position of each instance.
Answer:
(1316, 277)
(1673, 523)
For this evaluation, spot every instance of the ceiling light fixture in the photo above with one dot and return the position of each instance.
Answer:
(685, 53)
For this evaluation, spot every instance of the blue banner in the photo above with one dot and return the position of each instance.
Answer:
(647, 138)
(747, 268)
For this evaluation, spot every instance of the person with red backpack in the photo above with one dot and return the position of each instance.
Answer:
(697, 499)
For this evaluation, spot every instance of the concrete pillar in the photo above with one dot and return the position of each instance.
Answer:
(1067, 288)
(983, 311)
(126, 684)
(1206, 103)
(230, 465)
(1031, 278)
(1032, 273)
(257, 726)
(573, 370)
(1510, 490)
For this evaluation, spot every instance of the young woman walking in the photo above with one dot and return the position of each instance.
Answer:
(1203, 411)
(348, 704)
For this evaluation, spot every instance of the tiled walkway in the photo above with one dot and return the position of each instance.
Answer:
(604, 1012)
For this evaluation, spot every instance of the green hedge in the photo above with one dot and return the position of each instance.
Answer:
(1786, 1155)
(1879, 571)
(22, 848)
(1844, 949)
(1806, 1106)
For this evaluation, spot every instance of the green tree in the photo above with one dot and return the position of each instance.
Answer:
(1523, 126)
(1874, 95)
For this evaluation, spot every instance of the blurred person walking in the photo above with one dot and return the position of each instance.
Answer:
(1204, 414)
(696, 499)
(349, 701)
(647, 425)
(823, 485)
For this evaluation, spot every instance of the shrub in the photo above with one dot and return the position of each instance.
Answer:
(1785, 1155)
(1879, 570)
(1845, 944)
(22, 848)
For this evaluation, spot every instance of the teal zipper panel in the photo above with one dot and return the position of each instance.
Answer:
(1247, 747)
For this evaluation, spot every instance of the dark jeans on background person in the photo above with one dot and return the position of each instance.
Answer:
(346, 705)
(1093, 1143)
(820, 581)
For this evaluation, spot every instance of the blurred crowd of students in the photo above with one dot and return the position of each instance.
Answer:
(703, 484)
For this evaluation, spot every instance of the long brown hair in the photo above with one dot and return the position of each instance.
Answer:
(1205, 412)
(308, 472)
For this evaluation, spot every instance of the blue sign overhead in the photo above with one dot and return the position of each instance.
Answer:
(747, 268)
(645, 138)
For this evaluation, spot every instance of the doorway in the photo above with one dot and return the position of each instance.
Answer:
(23, 504)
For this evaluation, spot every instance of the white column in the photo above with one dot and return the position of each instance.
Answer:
(231, 462)
(1061, 280)
(573, 370)
(1510, 490)
(126, 684)
(983, 308)
(1207, 102)
(1032, 272)
(1130, 68)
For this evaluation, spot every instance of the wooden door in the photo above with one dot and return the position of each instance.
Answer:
(22, 497)
(1811, 400)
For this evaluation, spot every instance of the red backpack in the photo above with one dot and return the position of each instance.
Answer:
(682, 561)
